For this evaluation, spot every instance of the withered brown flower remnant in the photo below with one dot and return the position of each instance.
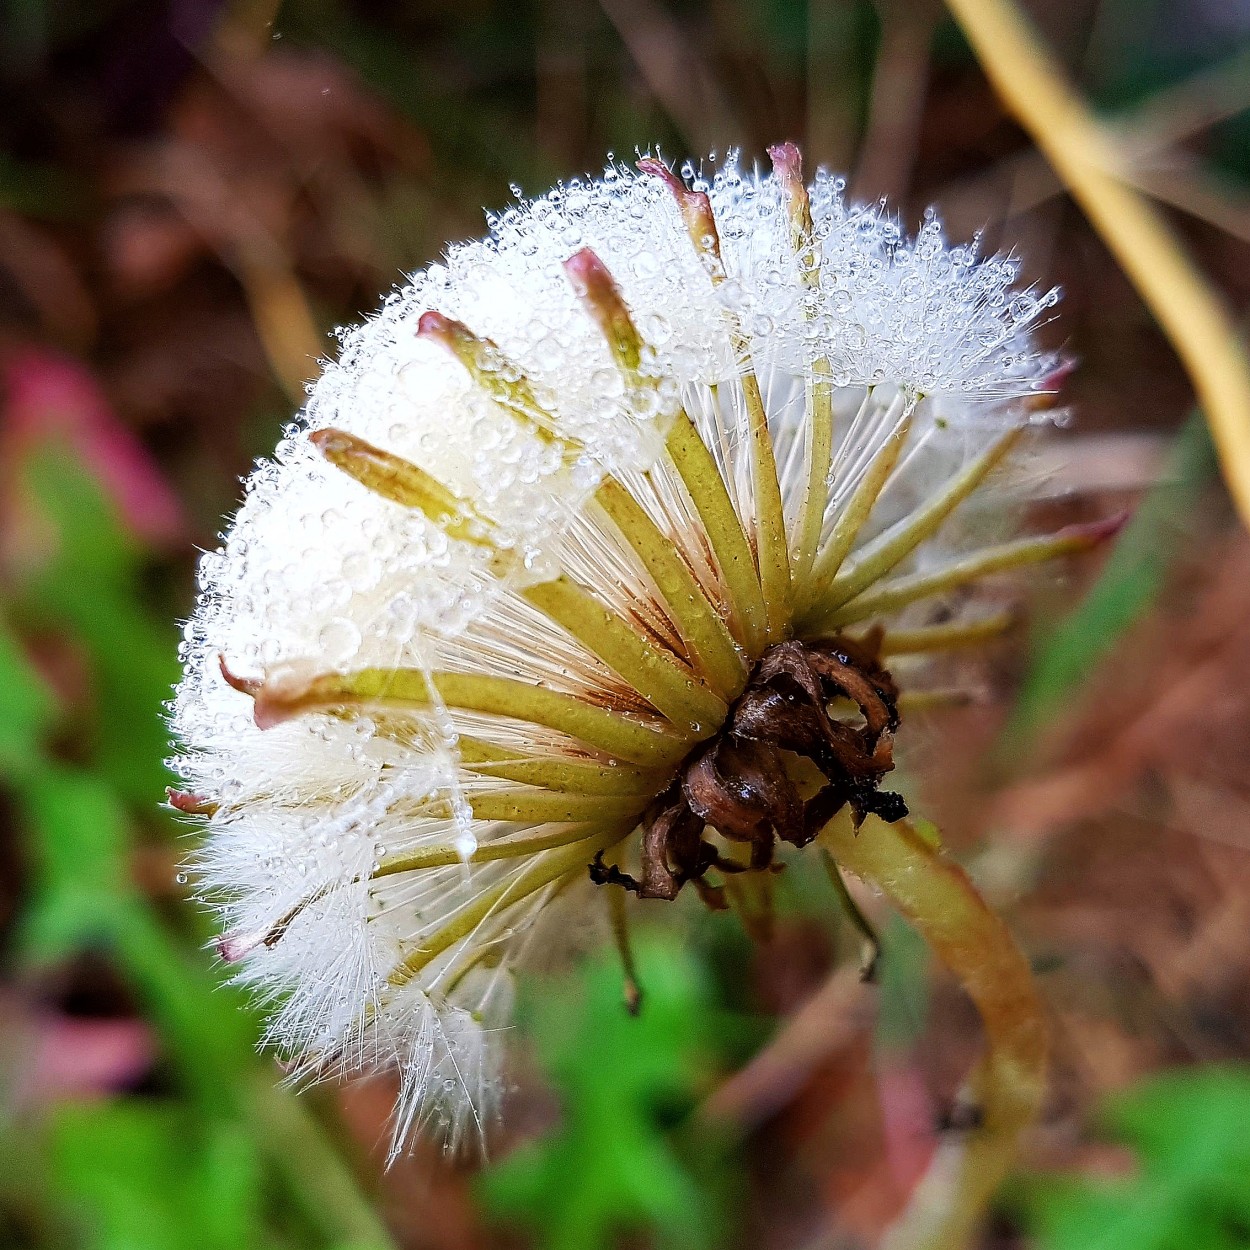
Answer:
(584, 566)
(737, 783)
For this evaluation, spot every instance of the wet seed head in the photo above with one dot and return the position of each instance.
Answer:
(584, 564)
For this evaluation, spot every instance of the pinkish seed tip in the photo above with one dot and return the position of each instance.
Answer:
(433, 325)
(1056, 378)
(1093, 533)
(658, 169)
(245, 685)
(329, 441)
(593, 283)
(585, 266)
(591, 278)
(787, 160)
(186, 801)
(695, 208)
(231, 947)
(268, 712)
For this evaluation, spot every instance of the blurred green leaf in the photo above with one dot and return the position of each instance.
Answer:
(1129, 585)
(80, 894)
(1192, 1187)
(27, 708)
(903, 974)
(91, 584)
(82, 898)
(612, 1166)
(149, 1175)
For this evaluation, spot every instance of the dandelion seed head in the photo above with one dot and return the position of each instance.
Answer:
(427, 681)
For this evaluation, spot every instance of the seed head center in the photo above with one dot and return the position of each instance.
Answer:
(812, 732)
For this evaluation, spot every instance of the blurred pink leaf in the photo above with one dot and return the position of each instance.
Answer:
(908, 1119)
(50, 398)
(73, 1056)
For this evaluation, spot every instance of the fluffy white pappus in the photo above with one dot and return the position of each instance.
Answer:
(539, 521)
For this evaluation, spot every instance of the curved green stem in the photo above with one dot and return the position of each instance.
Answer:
(321, 1181)
(938, 898)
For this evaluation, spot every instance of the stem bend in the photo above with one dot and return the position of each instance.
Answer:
(940, 900)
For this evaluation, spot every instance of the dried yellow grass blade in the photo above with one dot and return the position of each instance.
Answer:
(1189, 311)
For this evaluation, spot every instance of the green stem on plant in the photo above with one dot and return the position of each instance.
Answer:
(618, 914)
(937, 897)
(945, 637)
(818, 390)
(535, 766)
(320, 1181)
(700, 625)
(772, 552)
